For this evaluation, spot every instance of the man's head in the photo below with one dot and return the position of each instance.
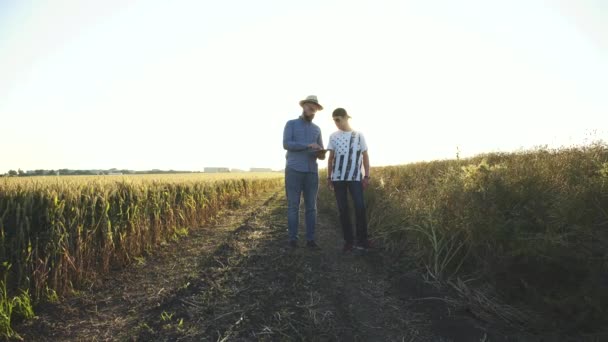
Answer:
(310, 106)
(341, 117)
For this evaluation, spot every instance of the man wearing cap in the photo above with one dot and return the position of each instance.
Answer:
(304, 145)
(348, 156)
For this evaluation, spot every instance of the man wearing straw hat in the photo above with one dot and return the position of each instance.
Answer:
(304, 145)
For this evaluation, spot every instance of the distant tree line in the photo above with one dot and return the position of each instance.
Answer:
(70, 172)
(115, 171)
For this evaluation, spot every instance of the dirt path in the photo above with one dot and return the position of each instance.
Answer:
(237, 281)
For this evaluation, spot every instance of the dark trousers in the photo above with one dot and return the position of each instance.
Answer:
(356, 192)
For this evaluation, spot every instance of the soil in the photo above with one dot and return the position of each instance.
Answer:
(237, 280)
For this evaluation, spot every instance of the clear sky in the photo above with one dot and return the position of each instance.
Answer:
(188, 84)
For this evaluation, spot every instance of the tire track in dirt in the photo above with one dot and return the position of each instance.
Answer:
(254, 288)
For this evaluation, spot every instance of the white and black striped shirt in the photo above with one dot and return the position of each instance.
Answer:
(348, 150)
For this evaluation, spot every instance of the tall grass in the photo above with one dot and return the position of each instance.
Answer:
(58, 232)
(533, 225)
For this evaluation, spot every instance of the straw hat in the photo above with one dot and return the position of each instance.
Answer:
(311, 99)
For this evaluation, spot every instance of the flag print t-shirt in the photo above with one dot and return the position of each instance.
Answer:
(348, 148)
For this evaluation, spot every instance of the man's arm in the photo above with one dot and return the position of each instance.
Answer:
(366, 163)
(320, 140)
(330, 167)
(330, 163)
(320, 155)
(365, 180)
(288, 143)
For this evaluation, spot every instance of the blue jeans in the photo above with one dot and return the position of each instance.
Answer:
(297, 183)
(356, 192)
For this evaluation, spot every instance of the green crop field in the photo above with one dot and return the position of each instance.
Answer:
(520, 236)
(59, 232)
(529, 228)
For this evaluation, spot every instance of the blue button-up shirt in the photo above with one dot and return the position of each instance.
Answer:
(298, 134)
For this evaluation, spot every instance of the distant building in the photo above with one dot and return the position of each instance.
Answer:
(236, 170)
(216, 169)
(260, 169)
